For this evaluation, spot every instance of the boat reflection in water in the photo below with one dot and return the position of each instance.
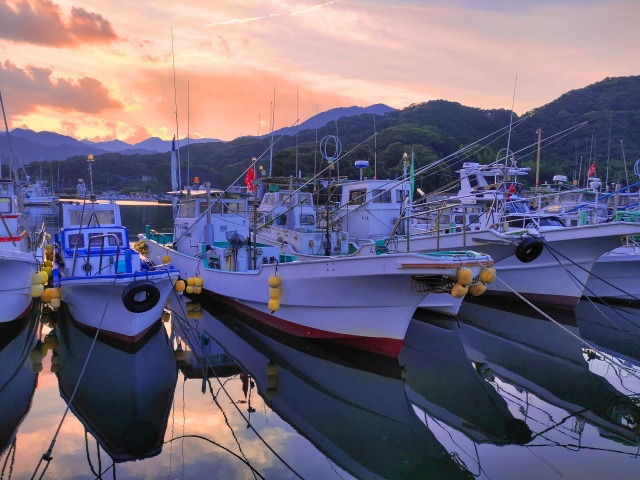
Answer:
(442, 382)
(125, 394)
(542, 358)
(351, 405)
(20, 352)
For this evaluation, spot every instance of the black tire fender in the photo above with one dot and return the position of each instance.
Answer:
(529, 249)
(131, 296)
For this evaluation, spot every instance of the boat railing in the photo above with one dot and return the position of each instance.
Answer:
(101, 238)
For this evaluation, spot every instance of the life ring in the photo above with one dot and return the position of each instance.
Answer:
(140, 296)
(529, 249)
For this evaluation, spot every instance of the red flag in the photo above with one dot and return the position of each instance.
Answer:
(592, 170)
(248, 181)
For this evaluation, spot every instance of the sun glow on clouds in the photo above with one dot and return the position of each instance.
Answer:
(109, 69)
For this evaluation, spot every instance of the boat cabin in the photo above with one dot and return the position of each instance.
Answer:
(93, 240)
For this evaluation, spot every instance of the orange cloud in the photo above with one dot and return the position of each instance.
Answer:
(34, 87)
(42, 22)
(138, 134)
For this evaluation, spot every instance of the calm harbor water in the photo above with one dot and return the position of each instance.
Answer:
(498, 393)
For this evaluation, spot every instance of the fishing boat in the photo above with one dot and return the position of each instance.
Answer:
(536, 255)
(351, 406)
(122, 394)
(365, 300)
(38, 193)
(104, 282)
(288, 218)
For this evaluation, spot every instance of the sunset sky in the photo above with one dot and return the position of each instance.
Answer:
(103, 69)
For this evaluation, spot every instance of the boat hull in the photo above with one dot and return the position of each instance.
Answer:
(556, 278)
(615, 275)
(16, 269)
(97, 302)
(364, 302)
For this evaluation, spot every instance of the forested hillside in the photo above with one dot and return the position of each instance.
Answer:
(433, 130)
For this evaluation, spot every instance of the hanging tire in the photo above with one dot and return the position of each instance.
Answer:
(140, 296)
(529, 249)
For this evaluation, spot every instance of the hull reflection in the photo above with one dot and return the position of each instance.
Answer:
(351, 405)
(125, 394)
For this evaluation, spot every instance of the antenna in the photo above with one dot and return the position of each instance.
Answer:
(188, 134)
(175, 101)
(513, 101)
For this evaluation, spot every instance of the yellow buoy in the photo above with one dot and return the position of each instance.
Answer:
(191, 281)
(195, 314)
(488, 275)
(49, 271)
(37, 290)
(166, 259)
(273, 305)
(51, 341)
(55, 302)
(48, 248)
(55, 292)
(197, 290)
(274, 293)
(46, 296)
(45, 276)
(189, 289)
(477, 289)
(464, 276)
(179, 286)
(459, 291)
(36, 279)
(274, 281)
(197, 281)
(48, 263)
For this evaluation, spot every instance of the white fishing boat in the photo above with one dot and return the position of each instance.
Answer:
(17, 261)
(38, 193)
(104, 282)
(364, 300)
(123, 394)
(351, 406)
(536, 255)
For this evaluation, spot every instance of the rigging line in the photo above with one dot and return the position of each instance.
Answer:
(201, 437)
(555, 322)
(249, 425)
(47, 455)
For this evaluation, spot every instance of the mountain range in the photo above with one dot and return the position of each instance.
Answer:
(30, 146)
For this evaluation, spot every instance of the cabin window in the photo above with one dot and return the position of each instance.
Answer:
(75, 240)
(5, 205)
(307, 219)
(96, 239)
(401, 195)
(281, 220)
(101, 217)
(188, 210)
(357, 196)
(304, 198)
(381, 196)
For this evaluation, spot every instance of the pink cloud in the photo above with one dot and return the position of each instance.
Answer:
(32, 87)
(42, 22)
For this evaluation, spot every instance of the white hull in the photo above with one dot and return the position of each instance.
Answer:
(366, 302)
(615, 275)
(557, 277)
(97, 302)
(16, 270)
(441, 303)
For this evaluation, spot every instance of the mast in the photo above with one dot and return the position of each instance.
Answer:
(539, 132)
